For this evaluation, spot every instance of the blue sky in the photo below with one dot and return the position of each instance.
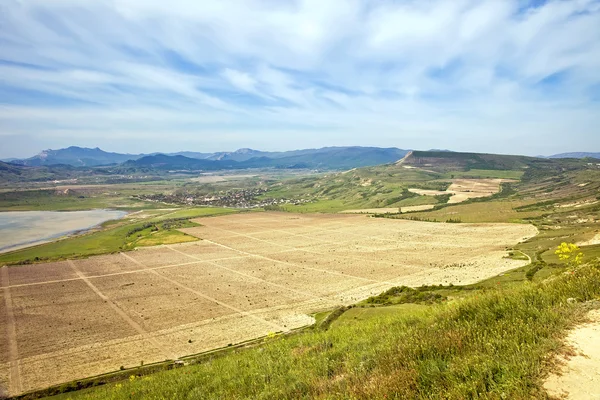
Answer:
(152, 75)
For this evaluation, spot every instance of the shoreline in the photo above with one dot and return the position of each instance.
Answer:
(71, 228)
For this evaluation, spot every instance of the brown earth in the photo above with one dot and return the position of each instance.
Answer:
(579, 376)
(465, 189)
(253, 274)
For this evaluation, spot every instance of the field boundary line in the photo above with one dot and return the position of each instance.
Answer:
(329, 241)
(237, 310)
(294, 264)
(329, 230)
(301, 292)
(136, 271)
(297, 265)
(158, 334)
(14, 377)
(291, 248)
(137, 327)
(349, 257)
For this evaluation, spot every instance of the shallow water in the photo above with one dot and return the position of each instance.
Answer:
(19, 229)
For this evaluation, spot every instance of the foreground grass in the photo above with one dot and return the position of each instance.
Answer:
(116, 236)
(493, 345)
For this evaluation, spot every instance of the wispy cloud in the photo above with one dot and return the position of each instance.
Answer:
(506, 76)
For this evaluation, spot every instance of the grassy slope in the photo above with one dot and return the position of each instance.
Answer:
(485, 173)
(115, 237)
(494, 344)
(371, 187)
(385, 185)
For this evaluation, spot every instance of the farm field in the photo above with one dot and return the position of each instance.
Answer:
(250, 275)
(465, 189)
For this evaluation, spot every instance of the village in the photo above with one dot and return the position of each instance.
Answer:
(244, 198)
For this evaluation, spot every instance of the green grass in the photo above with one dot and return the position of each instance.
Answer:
(319, 206)
(493, 345)
(117, 236)
(485, 211)
(196, 212)
(117, 196)
(364, 314)
(485, 173)
(590, 253)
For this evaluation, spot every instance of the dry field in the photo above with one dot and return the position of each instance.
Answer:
(251, 275)
(465, 189)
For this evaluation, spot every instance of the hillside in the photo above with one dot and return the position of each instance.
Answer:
(76, 156)
(326, 158)
(12, 173)
(448, 161)
(576, 155)
(387, 186)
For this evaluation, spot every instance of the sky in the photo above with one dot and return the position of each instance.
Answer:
(499, 76)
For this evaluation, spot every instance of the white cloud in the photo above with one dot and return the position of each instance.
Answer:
(406, 73)
(239, 79)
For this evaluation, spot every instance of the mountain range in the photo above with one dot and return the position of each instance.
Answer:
(326, 158)
(576, 155)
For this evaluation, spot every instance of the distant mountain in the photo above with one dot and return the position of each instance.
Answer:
(241, 155)
(325, 158)
(76, 156)
(166, 163)
(343, 157)
(576, 155)
(190, 154)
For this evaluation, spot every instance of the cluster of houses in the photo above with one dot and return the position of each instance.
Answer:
(244, 198)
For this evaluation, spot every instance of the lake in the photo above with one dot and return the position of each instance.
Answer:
(19, 229)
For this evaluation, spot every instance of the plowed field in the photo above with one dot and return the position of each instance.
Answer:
(252, 274)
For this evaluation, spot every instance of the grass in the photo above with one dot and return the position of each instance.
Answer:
(164, 237)
(485, 173)
(196, 213)
(116, 236)
(476, 212)
(494, 345)
(319, 206)
(364, 314)
(116, 196)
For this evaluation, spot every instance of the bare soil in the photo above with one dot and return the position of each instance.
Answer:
(579, 376)
(252, 274)
(465, 189)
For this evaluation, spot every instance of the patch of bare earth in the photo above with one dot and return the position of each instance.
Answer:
(593, 241)
(465, 189)
(251, 275)
(579, 376)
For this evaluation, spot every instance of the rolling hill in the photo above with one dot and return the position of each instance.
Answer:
(326, 158)
(576, 155)
(76, 156)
